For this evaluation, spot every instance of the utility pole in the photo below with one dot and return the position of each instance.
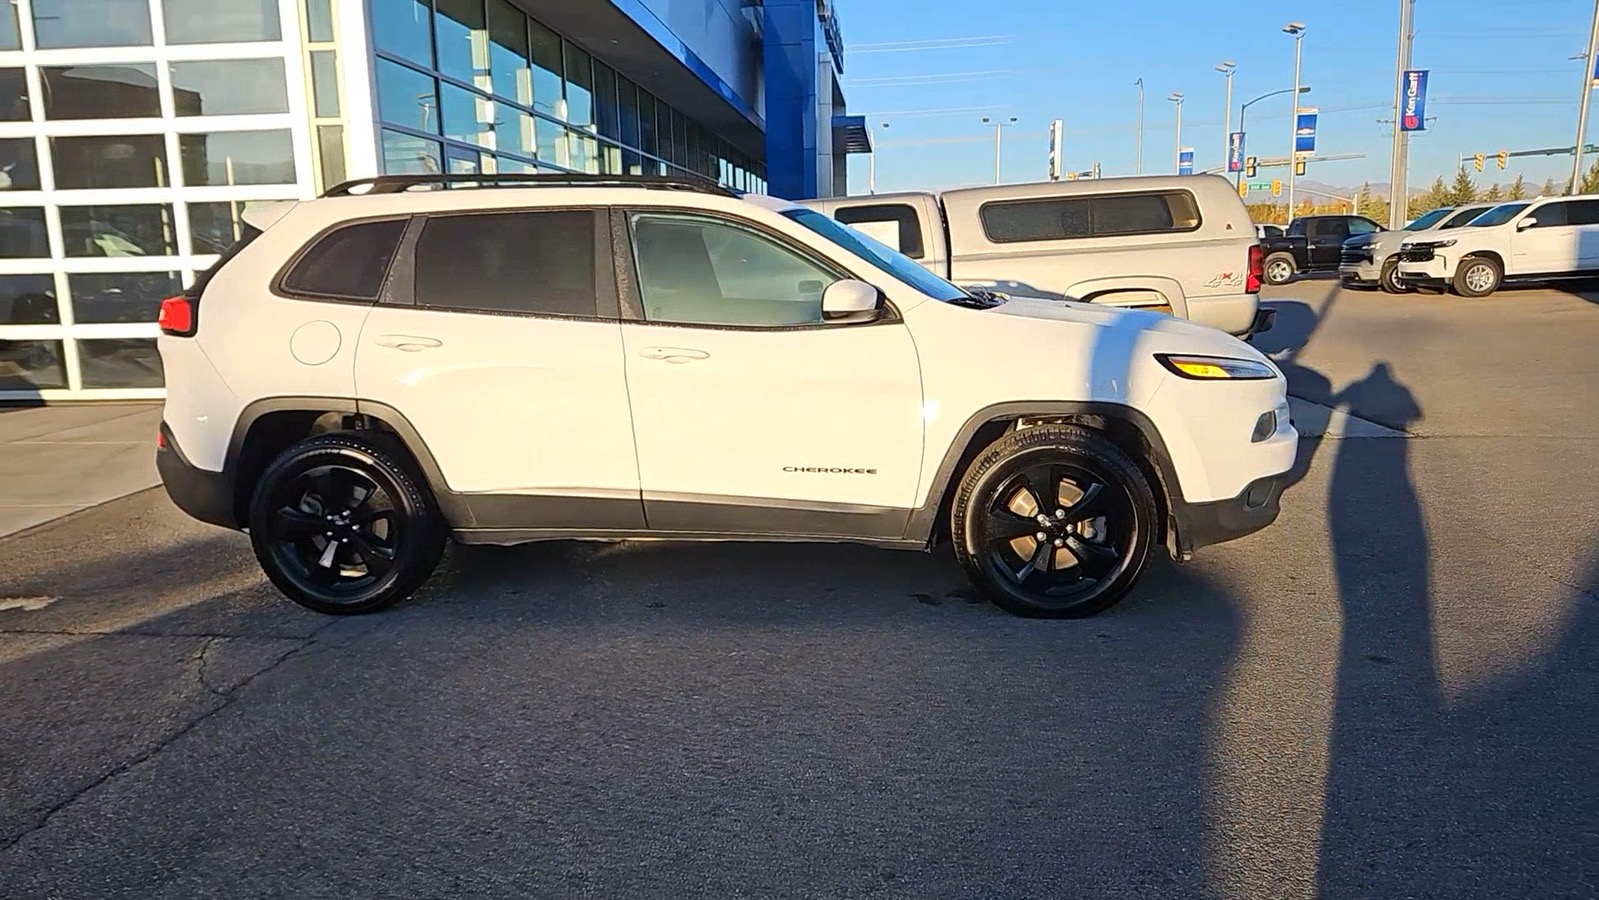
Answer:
(1297, 29)
(1587, 95)
(1177, 155)
(1399, 173)
(1140, 169)
(999, 131)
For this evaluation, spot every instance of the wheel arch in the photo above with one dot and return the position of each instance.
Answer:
(1487, 254)
(1129, 429)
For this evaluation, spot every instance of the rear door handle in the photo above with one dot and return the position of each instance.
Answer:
(410, 343)
(676, 355)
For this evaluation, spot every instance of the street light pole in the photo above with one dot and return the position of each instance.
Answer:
(1227, 69)
(1243, 111)
(1297, 29)
(1140, 168)
(1399, 175)
(871, 167)
(1587, 95)
(999, 130)
(1177, 156)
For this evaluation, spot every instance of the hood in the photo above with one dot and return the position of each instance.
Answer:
(1363, 240)
(1179, 335)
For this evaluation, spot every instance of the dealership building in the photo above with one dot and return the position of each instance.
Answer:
(134, 133)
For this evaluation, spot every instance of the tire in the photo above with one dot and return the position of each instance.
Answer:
(1284, 269)
(1390, 278)
(996, 518)
(342, 525)
(1478, 276)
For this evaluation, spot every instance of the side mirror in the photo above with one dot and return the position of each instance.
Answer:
(850, 301)
(1526, 223)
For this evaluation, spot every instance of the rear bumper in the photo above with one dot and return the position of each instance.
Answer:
(1264, 320)
(203, 494)
(1232, 313)
(1203, 524)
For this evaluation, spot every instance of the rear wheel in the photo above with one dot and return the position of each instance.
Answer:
(341, 524)
(1478, 276)
(1054, 522)
(1280, 268)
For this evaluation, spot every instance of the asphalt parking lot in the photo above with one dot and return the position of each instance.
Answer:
(1393, 692)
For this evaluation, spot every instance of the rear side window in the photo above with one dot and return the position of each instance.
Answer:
(537, 262)
(1551, 215)
(894, 224)
(347, 264)
(1582, 212)
(1063, 218)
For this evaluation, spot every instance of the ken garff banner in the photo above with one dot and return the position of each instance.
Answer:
(1413, 112)
(1305, 131)
(1185, 161)
(1235, 151)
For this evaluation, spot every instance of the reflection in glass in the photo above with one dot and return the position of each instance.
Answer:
(143, 230)
(513, 132)
(646, 123)
(231, 87)
(466, 162)
(461, 48)
(547, 81)
(407, 97)
(551, 142)
(404, 154)
(319, 21)
(221, 21)
(14, 96)
(120, 297)
(119, 363)
(508, 53)
(507, 166)
(330, 150)
(121, 91)
(28, 300)
(23, 234)
(606, 114)
(91, 23)
(468, 117)
(237, 157)
(680, 139)
(404, 28)
(10, 35)
(585, 152)
(610, 159)
(112, 161)
(627, 101)
(579, 87)
(325, 83)
(19, 165)
(213, 227)
(31, 365)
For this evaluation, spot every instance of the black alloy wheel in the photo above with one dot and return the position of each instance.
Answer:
(340, 525)
(1055, 521)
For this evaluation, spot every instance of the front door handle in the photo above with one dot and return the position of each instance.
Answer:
(675, 355)
(410, 343)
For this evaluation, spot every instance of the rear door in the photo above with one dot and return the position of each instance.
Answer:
(1547, 245)
(501, 345)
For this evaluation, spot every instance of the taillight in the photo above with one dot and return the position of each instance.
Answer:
(1257, 269)
(176, 317)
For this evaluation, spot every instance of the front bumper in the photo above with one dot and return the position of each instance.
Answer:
(1435, 271)
(1361, 272)
(205, 495)
(1203, 524)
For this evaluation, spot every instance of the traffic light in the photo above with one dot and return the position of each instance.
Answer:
(1249, 167)
(1299, 167)
(1504, 158)
(1276, 187)
(1243, 189)
(1479, 162)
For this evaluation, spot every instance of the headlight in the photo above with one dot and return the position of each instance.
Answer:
(1216, 368)
(1449, 243)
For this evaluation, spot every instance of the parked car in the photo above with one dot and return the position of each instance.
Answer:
(583, 357)
(1546, 238)
(1372, 258)
(1179, 245)
(1311, 244)
(1268, 231)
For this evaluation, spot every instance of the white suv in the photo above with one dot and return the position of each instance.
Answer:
(367, 374)
(1551, 237)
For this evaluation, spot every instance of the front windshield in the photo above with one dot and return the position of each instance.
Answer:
(1464, 217)
(1499, 215)
(878, 254)
(1427, 221)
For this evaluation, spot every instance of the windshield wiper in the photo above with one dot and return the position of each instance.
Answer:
(978, 298)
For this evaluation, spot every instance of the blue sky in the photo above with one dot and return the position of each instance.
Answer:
(933, 68)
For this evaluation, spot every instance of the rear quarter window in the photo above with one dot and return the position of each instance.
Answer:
(1105, 215)
(348, 263)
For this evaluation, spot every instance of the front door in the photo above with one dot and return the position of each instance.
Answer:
(1326, 242)
(1549, 244)
(752, 415)
(505, 352)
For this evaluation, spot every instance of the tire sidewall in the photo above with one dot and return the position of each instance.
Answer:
(1464, 289)
(1389, 278)
(1270, 267)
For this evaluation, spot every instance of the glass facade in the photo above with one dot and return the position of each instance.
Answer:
(479, 86)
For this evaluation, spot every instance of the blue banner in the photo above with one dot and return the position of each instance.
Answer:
(1413, 108)
(1305, 132)
(1185, 161)
(1235, 151)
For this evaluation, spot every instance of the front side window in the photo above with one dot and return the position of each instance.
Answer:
(530, 262)
(1063, 218)
(1362, 226)
(348, 264)
(700, 271)
(894, 224)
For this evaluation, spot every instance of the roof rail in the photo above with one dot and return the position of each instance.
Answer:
(395, 184)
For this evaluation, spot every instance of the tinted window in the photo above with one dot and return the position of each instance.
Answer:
(894, 224)
(1582, 212)
(523, 262)
(121, 297)
(28, 300)
(1329, 228)
(1551, 215)
(1092, 216)
(1362, 226)
(23, 234)
(708, 272)
(142, 230)
(19, 165)
(1296, 228)
(349, 263)
(14, 96)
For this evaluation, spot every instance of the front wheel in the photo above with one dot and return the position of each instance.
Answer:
(1280, 268)
(1478, 276)
(1054, 522)
(1390, 278)
(341, 524)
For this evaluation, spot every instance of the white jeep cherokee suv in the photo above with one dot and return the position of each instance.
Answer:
(1550, 237)
(365, 375)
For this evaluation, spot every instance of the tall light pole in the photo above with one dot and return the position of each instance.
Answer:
(1243, 111)
(871, 167)
(1297, 29)
(1140, 169)
(1587, 95)
(1399, 174)
(1228, 68)
(1177, 98)
(999, 130)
